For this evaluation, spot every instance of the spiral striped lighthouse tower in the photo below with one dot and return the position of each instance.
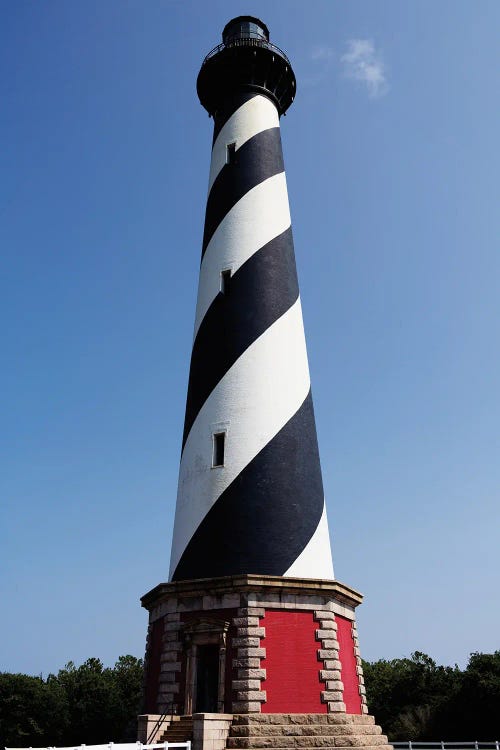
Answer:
(252, 633)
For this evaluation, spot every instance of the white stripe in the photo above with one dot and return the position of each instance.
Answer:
(255, 115)
(260, 216)
(256, 397)
(315, 560)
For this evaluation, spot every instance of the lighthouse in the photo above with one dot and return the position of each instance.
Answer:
(252, 642)
(250, 496)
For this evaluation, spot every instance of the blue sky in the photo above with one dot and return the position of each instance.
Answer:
(392, 158)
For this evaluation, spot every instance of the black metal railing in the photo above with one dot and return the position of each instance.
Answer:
(159, 722)
(246, 42)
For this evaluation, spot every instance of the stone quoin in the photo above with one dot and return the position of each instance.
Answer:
(252, 643)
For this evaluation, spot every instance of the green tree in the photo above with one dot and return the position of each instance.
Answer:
(128, 676)
(406, 695)
(103, 703)
(87, 704)
(473, 712)
(32, 712)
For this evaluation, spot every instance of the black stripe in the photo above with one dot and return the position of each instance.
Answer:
(265, 518)
(260, 292)
(229, 107)
(257, 159)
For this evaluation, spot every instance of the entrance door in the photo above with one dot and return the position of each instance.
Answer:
(207, 679)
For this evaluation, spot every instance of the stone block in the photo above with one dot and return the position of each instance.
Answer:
(336, 707)
(166, 698)
(230, 601)
(256, 729)
(170, 656)
(339, 720)
(251, 695)
(267, 600)
(170, 666)
(190, 604)
(368, 729)
(252, 662)
(364, 720)
(327, 653)
(172, 626)
(252, 674)
(330, 643)
(209, 602)
(171, 687)
(170, 676)
(336, 663)
(246, 622)
(321, 634)
(335, 685)
(329, 674)
(332, 663)
(169, 636)
(246, 642)
(251, 632)
(165, 607)
(246, 707)
(247, 652)
(251, 611)
(173, 617)
(311, 602)
(245, 684)
(324, 614)
(328, 624)
(359, 740)
(331, 696)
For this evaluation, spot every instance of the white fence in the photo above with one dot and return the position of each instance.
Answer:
(114, 746)
(441, 745)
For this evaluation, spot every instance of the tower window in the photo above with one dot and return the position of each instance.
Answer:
(225, 278)
(219, 439)
(231, 153)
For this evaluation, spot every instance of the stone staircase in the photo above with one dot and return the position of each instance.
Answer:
(180, 730)
(305, 732)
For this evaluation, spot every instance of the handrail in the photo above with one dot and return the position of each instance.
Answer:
(245, 42)
(160, 721)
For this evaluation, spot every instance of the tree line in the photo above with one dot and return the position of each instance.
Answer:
(412, 698)
(416, 699)
(89, 704)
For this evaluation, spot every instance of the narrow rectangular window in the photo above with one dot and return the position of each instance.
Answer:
(219, 439)
(225, 277)
(231, 153)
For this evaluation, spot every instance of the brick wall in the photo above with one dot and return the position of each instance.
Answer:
(349, 672)
(292, 667)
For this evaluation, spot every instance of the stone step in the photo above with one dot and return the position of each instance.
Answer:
(333, 718)
(278, 730)
(180, 730)
(316, 746)
(307, 741)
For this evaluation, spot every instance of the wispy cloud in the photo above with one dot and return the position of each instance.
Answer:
(363, 63)
(321, 59)
(321, 52)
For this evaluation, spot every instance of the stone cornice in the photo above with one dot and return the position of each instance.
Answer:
(251, 582)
